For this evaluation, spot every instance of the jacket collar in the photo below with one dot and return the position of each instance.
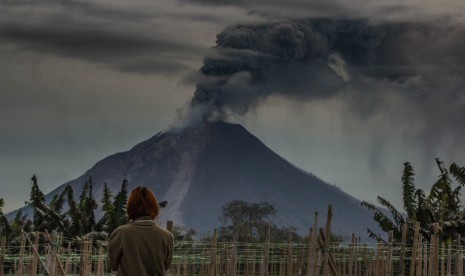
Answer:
(146, 220)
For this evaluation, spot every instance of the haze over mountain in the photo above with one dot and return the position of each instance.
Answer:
(199, 169)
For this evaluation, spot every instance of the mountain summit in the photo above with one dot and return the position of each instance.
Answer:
(198, 170)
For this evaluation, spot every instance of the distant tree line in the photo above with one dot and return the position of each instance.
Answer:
(75, 217)
(74, 221)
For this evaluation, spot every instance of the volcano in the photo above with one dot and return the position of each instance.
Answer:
(199, 169)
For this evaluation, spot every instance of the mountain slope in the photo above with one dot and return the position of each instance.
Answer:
(198, 170)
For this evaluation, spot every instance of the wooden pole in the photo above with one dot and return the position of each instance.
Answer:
(351, 256)
(435, 257)
(100, 269)
(327, 234)
(389, 254)
(402, 250)
(2, 253)
(312, 261)
(449, 260)
(414, 248)
(34, 258)
(19, 270)
(233, 258)
(36, 253)
(425, 259)
(68, 259)
(331, 263)
(169, 226)
(459, 256)
(212, 269)
(443, 256)
(358, 263)
(419, 248)
(184, 268)
(290, 265)
(266, 254)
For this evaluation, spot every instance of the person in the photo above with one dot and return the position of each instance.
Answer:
(140, 247)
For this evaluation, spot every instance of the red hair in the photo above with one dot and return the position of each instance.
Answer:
(142, 202)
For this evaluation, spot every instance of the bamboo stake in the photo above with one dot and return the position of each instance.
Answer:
(2, 253)
(356, 263)
(435, 258)
(311, 264)
(253, 264)
(459, 264)
(414, 248)
(351, 256)
(184, 267)
(34, 259)
(327, 234)
(55, 246)
(361, 250)
(68, 259)
(233, 258)
(402, 250)
(449, 260)
(266, 253)
(100, 262)
(389, 254)
(36, 253)
(343, 263)
(425, 258)
(327, 254)
(212, 270)
(169, 226)
(443, 256)
(19, 270)
(418, 270)
(290, 269)
(377, 266)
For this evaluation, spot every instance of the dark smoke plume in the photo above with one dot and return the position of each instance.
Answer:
(319, 58)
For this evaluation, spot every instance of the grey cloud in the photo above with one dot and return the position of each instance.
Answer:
(114, 48)
(394, 10)
(364, 63)
(123, 40)
(64, 9)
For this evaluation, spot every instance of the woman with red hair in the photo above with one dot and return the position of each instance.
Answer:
(140, 247)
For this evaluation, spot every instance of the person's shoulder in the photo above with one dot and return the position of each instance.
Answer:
(163, 231)
(121, 229)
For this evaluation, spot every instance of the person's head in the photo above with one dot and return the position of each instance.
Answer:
(141, 203)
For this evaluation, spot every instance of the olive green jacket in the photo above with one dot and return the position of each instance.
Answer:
(140, 248)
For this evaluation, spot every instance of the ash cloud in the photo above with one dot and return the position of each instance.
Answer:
(362, 62)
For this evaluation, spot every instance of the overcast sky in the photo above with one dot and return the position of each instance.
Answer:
(80, 80)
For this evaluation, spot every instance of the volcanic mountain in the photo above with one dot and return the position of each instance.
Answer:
(198, 170)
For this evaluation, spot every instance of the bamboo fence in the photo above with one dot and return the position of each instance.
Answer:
(51, 254)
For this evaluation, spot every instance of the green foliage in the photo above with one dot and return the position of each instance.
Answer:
(5, 229)
(108, 210)
(87, 206)
(115, 214)
(442, 205)
(247, 220)
(408, 190)
(183, 234)
(250, 221)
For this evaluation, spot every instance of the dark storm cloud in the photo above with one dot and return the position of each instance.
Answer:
(415, 10)
(61, 11)
(97, 45)
(91, 32)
